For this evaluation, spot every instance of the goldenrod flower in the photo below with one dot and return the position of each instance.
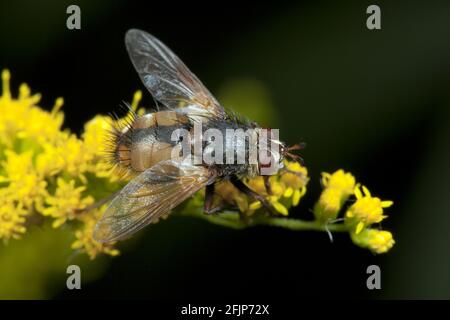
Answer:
(95, 134)
(50, 161)
(366, 210)
(85, 241)
(45, 169)
(66, 203)
(377, 241)
(231, 195)
(22, 120)
(295, 181)
(337, 189)
(329, 204)
(11, 218)
(287, 188)
(26, 186)
(278, 206)
(341, 180)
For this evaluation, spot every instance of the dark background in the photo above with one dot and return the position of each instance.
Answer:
(375, 103)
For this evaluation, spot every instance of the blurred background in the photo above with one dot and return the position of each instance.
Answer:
(375, 103)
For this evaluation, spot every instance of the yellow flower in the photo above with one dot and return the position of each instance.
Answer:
(287, 189)
(294, 183)
(11, 218)
(341, 180)
(297, 180)
(377, 241)
(95, 135)
(84, 236)
(66, 203)
(338, 186)
(137, 97)
(97, 143)
(50, 162)
(76, 157)
(329, 204)
(47, 170)
(366, 210)
(22, 119)
(25, 185)
(257, 184)
(17, 166)
(278, 206)
(231, 195)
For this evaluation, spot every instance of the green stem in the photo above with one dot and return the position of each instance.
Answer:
(232, 220)
(298, 224)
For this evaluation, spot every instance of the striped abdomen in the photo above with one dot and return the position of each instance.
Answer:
(147, 140)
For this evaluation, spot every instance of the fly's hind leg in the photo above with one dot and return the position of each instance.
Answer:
(209, 197)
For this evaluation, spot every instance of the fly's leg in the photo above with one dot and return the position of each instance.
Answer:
(209, 197)
(267, 185)
(244, 189)
(301, 175)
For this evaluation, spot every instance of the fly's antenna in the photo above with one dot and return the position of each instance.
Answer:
(287, 152)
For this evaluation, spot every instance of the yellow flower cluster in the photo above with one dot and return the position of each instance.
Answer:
(364, 212)
(66, 203)
(46, 170)
(287, 188)
(378, 241)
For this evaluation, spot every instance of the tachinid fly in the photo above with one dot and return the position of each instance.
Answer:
(153, 147)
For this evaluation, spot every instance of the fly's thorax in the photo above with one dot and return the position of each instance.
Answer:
(258, 149)
(230, 147)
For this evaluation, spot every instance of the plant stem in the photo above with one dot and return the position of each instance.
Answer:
(232, 220)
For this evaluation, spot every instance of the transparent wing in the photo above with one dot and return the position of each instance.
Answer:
(149, 196)
(166, 76)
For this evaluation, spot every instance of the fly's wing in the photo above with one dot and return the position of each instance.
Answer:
(166, 76)
(149, 196)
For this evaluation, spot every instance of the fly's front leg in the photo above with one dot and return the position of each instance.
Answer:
(244, 189)
(267, 185)
(301, 175)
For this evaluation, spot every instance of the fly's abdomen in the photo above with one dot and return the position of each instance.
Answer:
(147, 140)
